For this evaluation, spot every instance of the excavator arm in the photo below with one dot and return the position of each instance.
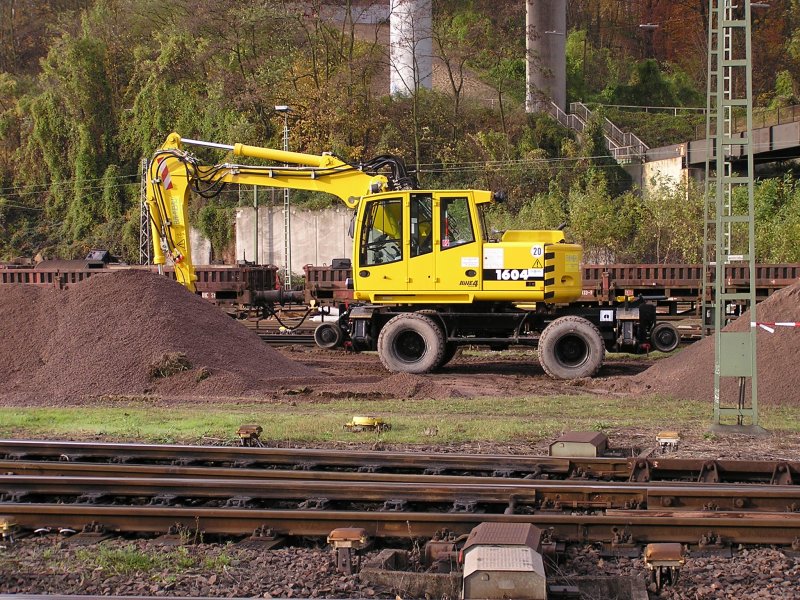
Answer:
(174, 173)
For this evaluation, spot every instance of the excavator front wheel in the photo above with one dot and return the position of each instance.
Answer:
(411, 343)
(570, 348)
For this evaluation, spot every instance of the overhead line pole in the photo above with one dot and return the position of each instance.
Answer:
(731, 234)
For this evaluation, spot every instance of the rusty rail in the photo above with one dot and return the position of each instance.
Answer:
(642, 468)
(689, 528)
(354, 489)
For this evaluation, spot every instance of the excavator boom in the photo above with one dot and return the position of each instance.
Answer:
(174, 173)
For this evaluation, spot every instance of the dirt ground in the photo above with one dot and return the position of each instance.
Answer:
(468, 375)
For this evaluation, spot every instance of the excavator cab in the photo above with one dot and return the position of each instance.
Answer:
(418, 245)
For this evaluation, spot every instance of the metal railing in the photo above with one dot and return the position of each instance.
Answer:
(674, 110)
(624, 147)
(762, 117)
(567, 120)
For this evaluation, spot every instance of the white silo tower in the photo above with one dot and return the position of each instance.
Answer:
(546, 71)
(411, 46)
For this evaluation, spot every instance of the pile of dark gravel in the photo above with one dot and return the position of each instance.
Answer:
(689, 374)
(102, 337)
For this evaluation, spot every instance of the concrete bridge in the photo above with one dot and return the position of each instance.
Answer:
(776, 137)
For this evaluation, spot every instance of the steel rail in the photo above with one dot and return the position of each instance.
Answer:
(636, 526)
(52, 468)
(279, 339)
(676, 472)
(304, 458)
(640, 469)
(402, 491)
(19, 486)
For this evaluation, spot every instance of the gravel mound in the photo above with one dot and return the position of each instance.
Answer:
(104, 336)
(689, 374)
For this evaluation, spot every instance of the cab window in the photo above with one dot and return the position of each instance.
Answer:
(421, 224)
(456, 223)
(382, 233)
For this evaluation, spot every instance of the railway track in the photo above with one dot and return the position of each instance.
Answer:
(645, 467)
(228, 500)
(395, 493)
(625, 526)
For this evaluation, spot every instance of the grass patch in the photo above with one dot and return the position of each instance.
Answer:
(120, 561)
(130, 560)
(457, 420)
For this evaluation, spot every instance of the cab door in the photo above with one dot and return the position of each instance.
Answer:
(457, 245)
(382, 251)
(422, 261)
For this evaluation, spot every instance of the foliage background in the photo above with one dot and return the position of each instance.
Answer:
(89, 87)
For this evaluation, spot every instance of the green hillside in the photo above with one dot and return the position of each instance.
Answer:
(90, 87)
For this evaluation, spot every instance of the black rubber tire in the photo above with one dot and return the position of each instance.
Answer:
(411, 343)
(571, 348)
(665, 337)
(328, 335)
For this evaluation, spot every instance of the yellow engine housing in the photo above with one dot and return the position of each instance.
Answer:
(556, 268)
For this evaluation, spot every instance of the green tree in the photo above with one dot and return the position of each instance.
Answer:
(605, 225)
(215, 221)
(455, 33)
(671, 230)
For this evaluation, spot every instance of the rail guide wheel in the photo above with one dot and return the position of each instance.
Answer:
(665, 337)
(328, 335)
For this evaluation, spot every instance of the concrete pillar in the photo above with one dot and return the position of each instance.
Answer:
(201, 247)
(411, 46)
(546, 41)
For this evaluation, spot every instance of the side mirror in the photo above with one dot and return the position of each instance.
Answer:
(499, 197)
(351, 229)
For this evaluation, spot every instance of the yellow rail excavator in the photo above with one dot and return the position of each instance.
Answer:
(427, 278)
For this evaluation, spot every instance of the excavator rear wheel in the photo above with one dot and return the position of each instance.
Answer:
(570, 348)
(411, 343)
